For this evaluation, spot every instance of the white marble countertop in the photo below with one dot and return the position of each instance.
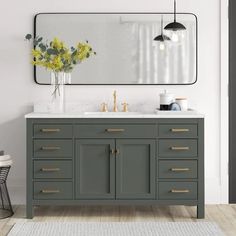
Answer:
(109, 115)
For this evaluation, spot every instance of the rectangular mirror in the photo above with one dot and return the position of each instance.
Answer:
(126, 51)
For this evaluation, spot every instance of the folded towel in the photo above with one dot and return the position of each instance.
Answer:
(5, 158)
(6, 163)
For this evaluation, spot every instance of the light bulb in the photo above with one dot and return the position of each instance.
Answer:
(162, 46)
(175, 37)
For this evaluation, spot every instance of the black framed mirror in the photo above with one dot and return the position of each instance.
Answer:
(126, 51)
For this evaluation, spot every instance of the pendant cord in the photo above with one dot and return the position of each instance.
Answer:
(162, 25)
(174, 10)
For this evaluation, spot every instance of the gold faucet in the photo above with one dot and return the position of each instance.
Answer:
(104, 107)
(115, 109)
(125, 107)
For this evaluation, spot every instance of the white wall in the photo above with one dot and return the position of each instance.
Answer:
(18, 91)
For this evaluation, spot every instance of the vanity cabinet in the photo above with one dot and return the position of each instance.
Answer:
(95, 169)
(115, 169)
(120, 161)
(135, 169)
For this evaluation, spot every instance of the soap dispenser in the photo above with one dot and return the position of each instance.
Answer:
(165, 100)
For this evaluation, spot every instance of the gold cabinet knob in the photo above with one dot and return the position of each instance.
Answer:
(112, 151)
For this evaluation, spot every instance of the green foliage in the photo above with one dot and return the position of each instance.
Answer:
(28, 36)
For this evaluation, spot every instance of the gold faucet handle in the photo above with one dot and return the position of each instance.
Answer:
(104, 107)
(125, 106)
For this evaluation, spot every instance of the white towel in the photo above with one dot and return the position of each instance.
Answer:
(5, 158)
(6, 163)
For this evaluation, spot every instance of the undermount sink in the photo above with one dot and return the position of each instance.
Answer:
(113, 113)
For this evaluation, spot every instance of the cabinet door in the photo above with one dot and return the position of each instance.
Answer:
(95, 169)
(135, 169)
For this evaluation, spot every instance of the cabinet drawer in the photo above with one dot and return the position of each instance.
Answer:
(177, 169)
(178, 148)
(52, 131)
(177, 130)
(115, 131)
(177, 190)
(52, 169)
(53, 148)
(53, 190)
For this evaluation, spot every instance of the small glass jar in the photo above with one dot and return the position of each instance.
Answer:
(183, 102)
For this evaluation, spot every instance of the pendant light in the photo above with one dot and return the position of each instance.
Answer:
(175, 26)
(161, 38)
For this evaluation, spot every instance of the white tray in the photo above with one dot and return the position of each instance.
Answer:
(188, 112)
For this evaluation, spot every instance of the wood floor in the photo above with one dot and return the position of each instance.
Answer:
(223, 215)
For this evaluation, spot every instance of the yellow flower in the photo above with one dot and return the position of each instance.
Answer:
(66, 56)
(83, 50)
(36, 53)
(57, 44)
(57, 63)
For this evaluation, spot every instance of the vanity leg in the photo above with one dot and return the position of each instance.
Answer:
(200, 211)
(29, 211)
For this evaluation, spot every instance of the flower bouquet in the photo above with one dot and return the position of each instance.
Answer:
(60, 60)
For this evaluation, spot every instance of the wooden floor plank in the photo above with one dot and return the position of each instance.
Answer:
(223, 215)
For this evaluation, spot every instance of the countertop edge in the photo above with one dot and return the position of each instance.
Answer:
(83, 116)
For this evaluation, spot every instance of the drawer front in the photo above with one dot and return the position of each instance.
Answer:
(178, 148)
(53, 148)
(177, 190)
(52, 131)
(177, 169)
(52, 169)
(177, 130)
(53, 190)
(115, 131)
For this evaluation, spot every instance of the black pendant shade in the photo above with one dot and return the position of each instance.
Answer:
(161, 37)
(175, 26)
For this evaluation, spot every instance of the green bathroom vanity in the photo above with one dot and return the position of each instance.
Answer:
(79, 159)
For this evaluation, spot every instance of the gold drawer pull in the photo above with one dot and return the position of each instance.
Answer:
(50, 169)
(179, 130)
(50, 191)
(50, 130)
(50, 148)
(179, 191)
(179, 148)
(115, 130)
(179, 169)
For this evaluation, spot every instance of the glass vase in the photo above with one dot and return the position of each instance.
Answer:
(58, 80)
